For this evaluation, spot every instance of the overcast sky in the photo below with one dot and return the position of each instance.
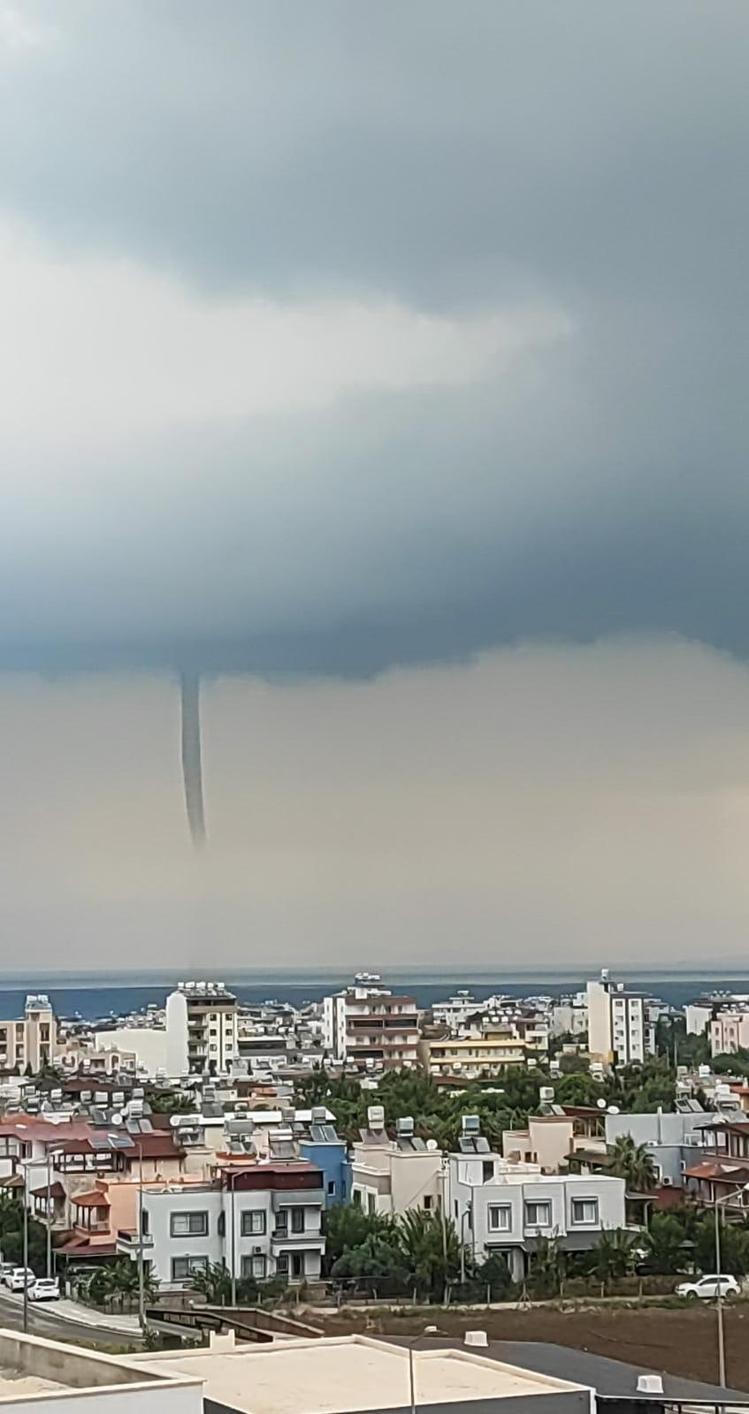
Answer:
(341, 343)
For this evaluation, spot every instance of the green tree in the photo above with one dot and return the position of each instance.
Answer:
(634, 1163)
(546, 1271)
(494, 1273)
(213, 1283)
(613, 1255)
(665, 1243)
(431, 1248)
(734, 1247)
(347, 1226)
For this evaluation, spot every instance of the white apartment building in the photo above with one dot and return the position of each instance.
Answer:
(201, 1029)
(619, 1027)
(370, 1027)
(569, 1016)
(728, 1030)
(391, 1176)
(259, 1219)
(509, 1207)
(31, 1042)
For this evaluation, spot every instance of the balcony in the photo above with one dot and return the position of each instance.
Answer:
(128, 1243)
(311, 1237)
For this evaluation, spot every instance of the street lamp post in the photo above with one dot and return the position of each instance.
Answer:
(51, 1154)
(232, 1177)
(428, 1330)
(717, 1205)
(25, 1249)
(468, 1213)
(141, 1269)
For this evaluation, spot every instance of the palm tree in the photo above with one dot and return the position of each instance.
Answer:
(213, 1283)
(634, 1163)
(546, 1269)
(613, 1255)
(431, 1249)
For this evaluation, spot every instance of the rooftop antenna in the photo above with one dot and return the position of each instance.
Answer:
(192, 765)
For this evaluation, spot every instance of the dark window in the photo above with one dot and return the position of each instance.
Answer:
(189, 1225)
(185, 1267)
(297, 1220)
(253, 1222)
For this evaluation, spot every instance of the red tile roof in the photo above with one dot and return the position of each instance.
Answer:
(96, 1199)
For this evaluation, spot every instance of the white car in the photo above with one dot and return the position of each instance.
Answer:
(19, 1278)
(708, 1287)
(6, 1270)
(44, 1289)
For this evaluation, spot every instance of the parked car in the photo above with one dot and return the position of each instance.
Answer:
(44, 1289)
(707, 1287)
(6, 1268)
(20, 1277)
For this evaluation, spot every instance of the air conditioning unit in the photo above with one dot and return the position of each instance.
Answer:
(257, 1251)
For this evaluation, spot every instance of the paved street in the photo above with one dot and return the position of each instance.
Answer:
(67, 1320)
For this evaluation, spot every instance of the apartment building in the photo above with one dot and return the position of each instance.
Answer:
(32, 1042)
(728, 1030)
(391, 1176)
(510, 1207)
(201, 1029)
(675, 1141)
(260, 1220)
(371, 1028)
(620, 1030)
(481, 1056)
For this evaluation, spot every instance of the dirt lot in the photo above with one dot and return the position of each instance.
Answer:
(681, 1341)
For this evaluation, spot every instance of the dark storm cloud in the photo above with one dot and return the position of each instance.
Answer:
(459, 158)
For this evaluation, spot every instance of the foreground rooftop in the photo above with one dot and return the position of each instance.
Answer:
(354, 1373)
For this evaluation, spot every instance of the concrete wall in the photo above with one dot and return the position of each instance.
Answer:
(92, 1381)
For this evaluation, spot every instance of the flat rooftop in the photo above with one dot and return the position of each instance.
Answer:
(32, 1367)
(352, 1373)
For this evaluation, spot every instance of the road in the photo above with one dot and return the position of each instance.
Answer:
(57, 1321)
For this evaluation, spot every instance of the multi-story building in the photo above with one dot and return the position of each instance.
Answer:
(201, 1029)
(619, 1027)
(257, 1219)
(674, 1141)
(476, 1057)
(728, 1029)
(510, 1207)
(370, 1027)
(32, 1042)
(569, 1016)
(391, 1176)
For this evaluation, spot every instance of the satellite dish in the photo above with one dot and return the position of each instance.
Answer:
(117, 1119)
(431, 1145)
(601, 1103)
(613, 1110)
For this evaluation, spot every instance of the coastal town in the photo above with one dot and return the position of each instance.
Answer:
(361, 1146)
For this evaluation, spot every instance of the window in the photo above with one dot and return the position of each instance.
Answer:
(282, 1264)
(371, 1203)
(500, 1217)
(185, 1267)
(253, 1222)
(331, 1188)
(427, 1202)
(188, 1225)
(585, 1210)
(356, 1197)
(254, 1266)
(538, 1214)
(487, 1171)
(297, 1220)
